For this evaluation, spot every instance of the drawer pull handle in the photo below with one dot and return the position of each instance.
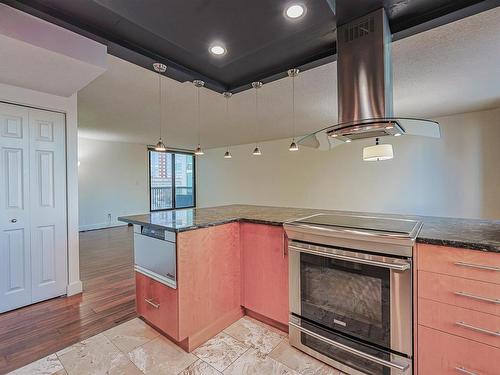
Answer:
(152, 303)
(478, 266)
(463, 370)
(482, 330)
(480, 298)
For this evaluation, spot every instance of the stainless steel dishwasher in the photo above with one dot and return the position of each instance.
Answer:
(155, 254)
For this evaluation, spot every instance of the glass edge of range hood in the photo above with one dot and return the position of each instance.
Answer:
(409, 125)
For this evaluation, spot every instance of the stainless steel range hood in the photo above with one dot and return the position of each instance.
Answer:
(364, 79)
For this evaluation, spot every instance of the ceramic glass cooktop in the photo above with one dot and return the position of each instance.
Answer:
(372, 223)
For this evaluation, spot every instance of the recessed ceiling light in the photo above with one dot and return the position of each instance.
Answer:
(295, 11)
(217, 49)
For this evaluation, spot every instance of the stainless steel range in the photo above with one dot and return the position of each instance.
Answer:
(351, 291)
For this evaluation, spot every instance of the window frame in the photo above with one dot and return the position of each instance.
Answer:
(172, 152)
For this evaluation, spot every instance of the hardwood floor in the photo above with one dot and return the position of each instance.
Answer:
(108, 299)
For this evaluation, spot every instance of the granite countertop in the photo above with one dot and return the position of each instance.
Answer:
(465, 233)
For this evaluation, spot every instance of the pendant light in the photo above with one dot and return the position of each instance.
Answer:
(292, 73)
(199, 84)
(257, 85)
(227, 95)
(378, 152)
(160, 68)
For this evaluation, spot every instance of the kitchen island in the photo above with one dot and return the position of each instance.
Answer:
(233, 260)
(463, 233)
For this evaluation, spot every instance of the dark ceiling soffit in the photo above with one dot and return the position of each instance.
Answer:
(282, 73)
(116, 47)
(145, 58)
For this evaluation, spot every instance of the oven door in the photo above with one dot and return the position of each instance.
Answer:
(363, 296)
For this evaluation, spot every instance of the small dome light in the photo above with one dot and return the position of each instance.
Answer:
(160, 146)
(199, 151)
(217, 49)
(348, 141)
(295, 11)
(293, 146)
(397, 135)
(256, 151)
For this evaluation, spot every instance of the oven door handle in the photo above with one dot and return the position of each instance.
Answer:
(369, 357)
(392, 266)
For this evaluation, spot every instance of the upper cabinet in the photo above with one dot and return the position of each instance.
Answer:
(265, 270)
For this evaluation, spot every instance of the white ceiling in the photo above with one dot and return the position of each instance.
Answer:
(451, 69)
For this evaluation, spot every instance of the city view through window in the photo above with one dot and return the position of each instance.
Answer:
(169, 172)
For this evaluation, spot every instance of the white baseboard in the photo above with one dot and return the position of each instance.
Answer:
(82, 228)
(74, 288)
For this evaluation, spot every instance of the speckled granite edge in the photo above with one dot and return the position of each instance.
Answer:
(127, 219)
(470, 234)
(459, 244)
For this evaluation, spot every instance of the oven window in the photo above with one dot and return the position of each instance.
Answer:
(349, 297)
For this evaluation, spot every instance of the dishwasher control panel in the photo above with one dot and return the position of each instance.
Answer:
(153, 232)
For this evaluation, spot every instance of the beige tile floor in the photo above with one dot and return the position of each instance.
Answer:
(246, 347)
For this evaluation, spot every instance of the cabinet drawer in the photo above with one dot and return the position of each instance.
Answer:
(157, 303)
(457, 291)
(481, 327)
(470, 264)
(445, 354)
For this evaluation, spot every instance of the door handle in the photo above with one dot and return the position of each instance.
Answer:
(152, 303)
(480, 298)
(393, 266)
(13, 220)
(463, 370)
(478, 266)
(477, 329)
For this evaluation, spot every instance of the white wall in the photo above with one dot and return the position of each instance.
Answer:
(457, 175)
(113, 179)
(68, 105)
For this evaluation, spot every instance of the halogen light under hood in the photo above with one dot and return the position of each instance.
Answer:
(364, 79)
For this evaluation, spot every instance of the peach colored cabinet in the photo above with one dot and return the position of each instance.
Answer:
(458, 313)
(469, 264)
(157, 303)
(458, 291)
(207, 298)
(445, 354)
(208, 280)
(461, 322)
(265, 270)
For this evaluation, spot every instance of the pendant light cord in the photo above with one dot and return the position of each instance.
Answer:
(227, 115)
(293, 106)
(160, 107)
(199, 117)
(256, 116)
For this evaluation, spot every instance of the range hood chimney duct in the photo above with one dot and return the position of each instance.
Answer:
(364, 69)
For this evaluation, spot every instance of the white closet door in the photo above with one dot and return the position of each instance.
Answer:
(15, 258)
(48, 204)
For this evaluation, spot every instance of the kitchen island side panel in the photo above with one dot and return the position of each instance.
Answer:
(209, 274)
